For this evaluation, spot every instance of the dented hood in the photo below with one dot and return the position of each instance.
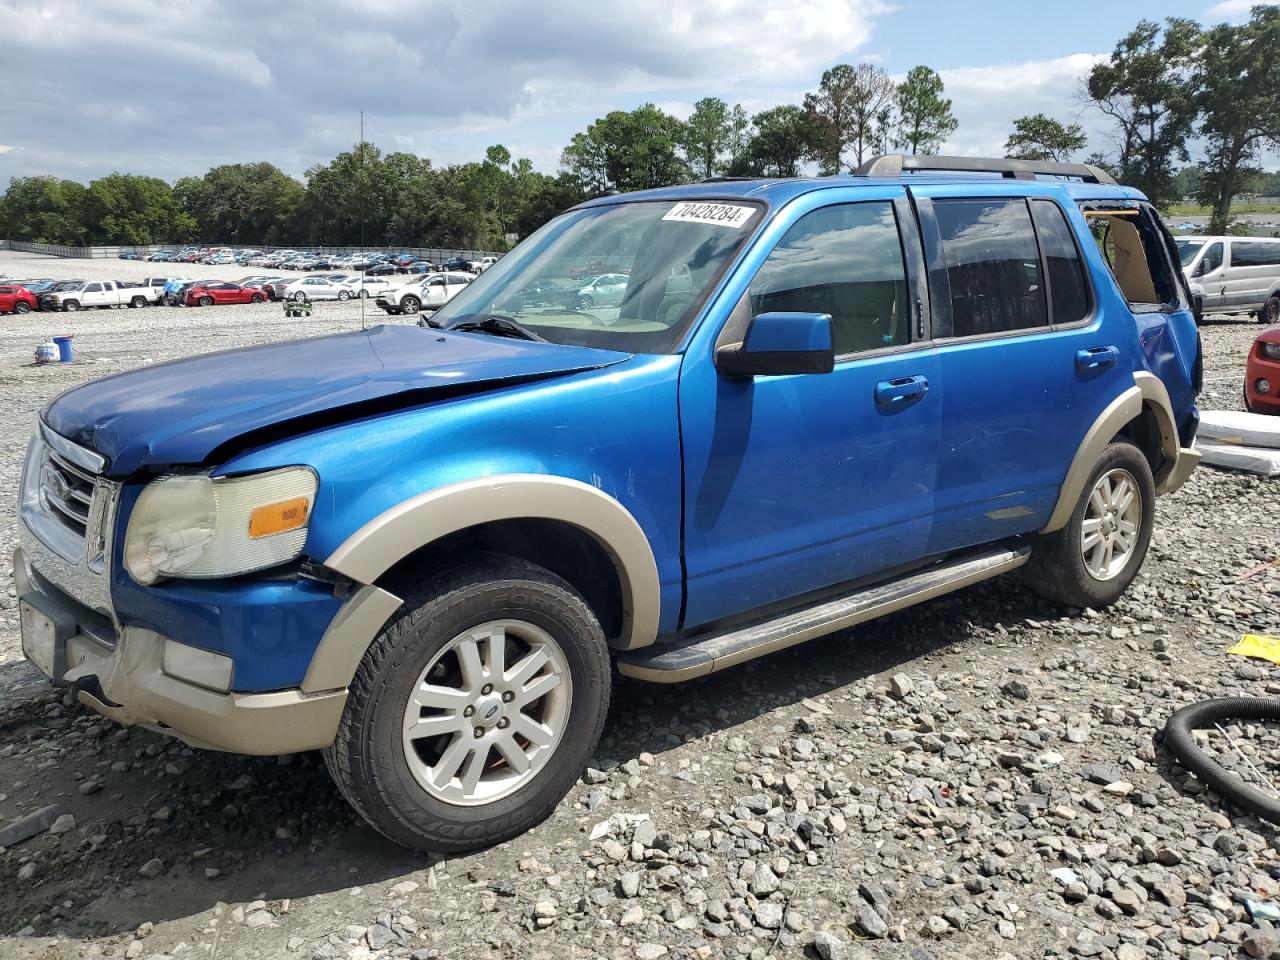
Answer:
(186, 411)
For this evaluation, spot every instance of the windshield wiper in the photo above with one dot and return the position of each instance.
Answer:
(499, 325)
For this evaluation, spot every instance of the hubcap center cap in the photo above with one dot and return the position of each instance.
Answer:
(488, 711)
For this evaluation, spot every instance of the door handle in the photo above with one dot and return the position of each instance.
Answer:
(900, 390)
(1097, 358)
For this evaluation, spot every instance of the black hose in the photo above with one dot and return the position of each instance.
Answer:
(1177, 734)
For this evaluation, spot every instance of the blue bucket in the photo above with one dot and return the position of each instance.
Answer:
(64, 348)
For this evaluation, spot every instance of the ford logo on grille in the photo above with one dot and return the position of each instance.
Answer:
(53, 481)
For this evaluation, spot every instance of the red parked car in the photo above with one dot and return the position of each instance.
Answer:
(207, 294)
(1262, 373)
(15, 299)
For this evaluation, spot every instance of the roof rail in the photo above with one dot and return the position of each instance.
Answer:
(896, 164)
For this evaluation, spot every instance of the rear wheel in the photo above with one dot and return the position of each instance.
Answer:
(475, 710)
(299, 297)
(1092, 560)
(206, 301)
(1270, 312)
(138, 303)
(343, 295)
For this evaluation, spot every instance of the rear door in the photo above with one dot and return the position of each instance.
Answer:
(797, 483)
(1015, 330)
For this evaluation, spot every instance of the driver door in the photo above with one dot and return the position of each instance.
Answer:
(795, 484)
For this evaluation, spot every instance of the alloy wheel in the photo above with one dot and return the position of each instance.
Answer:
(1112, 521)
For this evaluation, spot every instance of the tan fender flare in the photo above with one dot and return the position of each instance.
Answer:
(389, 537)
(1147, 391)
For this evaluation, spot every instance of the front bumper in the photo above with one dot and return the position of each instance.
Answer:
(126, 682)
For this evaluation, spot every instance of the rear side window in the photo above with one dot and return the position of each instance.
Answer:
(993, 265)
(845, 260)
(1068, 295)
(1254, 254)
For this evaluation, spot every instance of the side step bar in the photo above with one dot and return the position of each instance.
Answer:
(700, 655)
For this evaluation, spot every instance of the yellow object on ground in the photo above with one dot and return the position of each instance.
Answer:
(1258, 645)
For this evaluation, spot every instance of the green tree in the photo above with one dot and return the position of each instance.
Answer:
(924, 114)
(707, 136)
(1239, 99)
(846, 113)
(1147, 87)
(781, 142)
(1039, 137)
(126, 209)
(46, 210)
(625, 151)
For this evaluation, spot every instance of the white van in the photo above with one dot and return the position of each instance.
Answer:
(1234, 274)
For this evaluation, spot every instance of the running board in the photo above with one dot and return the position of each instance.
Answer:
(700, 655)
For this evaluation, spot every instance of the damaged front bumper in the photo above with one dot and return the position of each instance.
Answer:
(122, 676)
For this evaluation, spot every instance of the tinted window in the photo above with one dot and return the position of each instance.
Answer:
(1245, 254)
(1069, 298)
(993, 265)
(1212, 258)
(93, 288)
(1187, 249)
(846, 261)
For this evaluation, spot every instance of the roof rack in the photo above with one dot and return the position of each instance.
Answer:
(896, 164)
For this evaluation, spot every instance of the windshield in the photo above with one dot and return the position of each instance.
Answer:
(1187, 250)
(627, 276)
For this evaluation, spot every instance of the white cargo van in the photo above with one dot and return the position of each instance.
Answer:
(1234, 274)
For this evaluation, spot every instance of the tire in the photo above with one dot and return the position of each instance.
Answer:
(409, 305)
(1057, 569)
(386, 776)
(257, 298)
(1270, 312)
(299, 297)
(343, 295)
(71, 306)
(363, 294)
(138, 303)
(21, 306)
(206, 301)
(585, 301)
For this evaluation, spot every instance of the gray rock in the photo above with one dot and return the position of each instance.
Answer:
(870, 923)
(379, 937)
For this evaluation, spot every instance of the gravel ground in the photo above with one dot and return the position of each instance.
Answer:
(980, 776)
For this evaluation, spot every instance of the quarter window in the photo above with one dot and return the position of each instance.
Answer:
(993, 265)
(1068, 295)
(846, 261)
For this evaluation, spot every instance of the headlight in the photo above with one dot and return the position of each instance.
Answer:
(1271, 350)
(201, 528)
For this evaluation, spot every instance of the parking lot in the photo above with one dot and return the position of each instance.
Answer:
(938, 764)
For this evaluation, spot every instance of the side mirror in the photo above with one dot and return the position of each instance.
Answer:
(779, 344)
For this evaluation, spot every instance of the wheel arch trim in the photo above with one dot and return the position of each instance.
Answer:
(421, 520)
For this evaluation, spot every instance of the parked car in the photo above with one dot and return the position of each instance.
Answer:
(1234, 275)
(484, 263)
(428, 292)
(96, 293)
(371, 286)
(172, 286)
(16, 299)
(1262, 373)
(315, 288)
(381, 269)
(604, 290)
(457, 264)
(424, 550)
(208, 293)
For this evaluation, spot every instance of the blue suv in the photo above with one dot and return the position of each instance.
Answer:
(422, 549)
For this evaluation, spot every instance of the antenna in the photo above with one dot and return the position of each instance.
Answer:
(363, 296)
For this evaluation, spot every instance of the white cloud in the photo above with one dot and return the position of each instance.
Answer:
(986, 100)
(1234, 11)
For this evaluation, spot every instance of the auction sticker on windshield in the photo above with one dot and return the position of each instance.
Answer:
(715, 214)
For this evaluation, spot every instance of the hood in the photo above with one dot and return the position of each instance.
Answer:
(186, 411)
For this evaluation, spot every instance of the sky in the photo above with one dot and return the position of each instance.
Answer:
(170, 88)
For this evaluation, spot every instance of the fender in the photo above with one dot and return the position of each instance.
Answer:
(389, 537)
(1147, 390)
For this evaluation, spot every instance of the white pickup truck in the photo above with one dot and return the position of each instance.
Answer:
(429, 291)
(99, 293)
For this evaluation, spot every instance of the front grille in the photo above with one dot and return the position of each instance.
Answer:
(67, 491)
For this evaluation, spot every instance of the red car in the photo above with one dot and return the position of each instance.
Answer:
(1262, 373)
(207, 294)
(14, 299)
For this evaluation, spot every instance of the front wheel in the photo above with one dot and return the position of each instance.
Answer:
(257, 298)
(22, 307)
(1092, 560)
(410, 305)
(71, 306)
(1270, 312)
(476, 708)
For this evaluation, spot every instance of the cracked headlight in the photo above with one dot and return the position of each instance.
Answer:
(201, 528)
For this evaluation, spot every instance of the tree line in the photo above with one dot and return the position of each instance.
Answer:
(1166, 89)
